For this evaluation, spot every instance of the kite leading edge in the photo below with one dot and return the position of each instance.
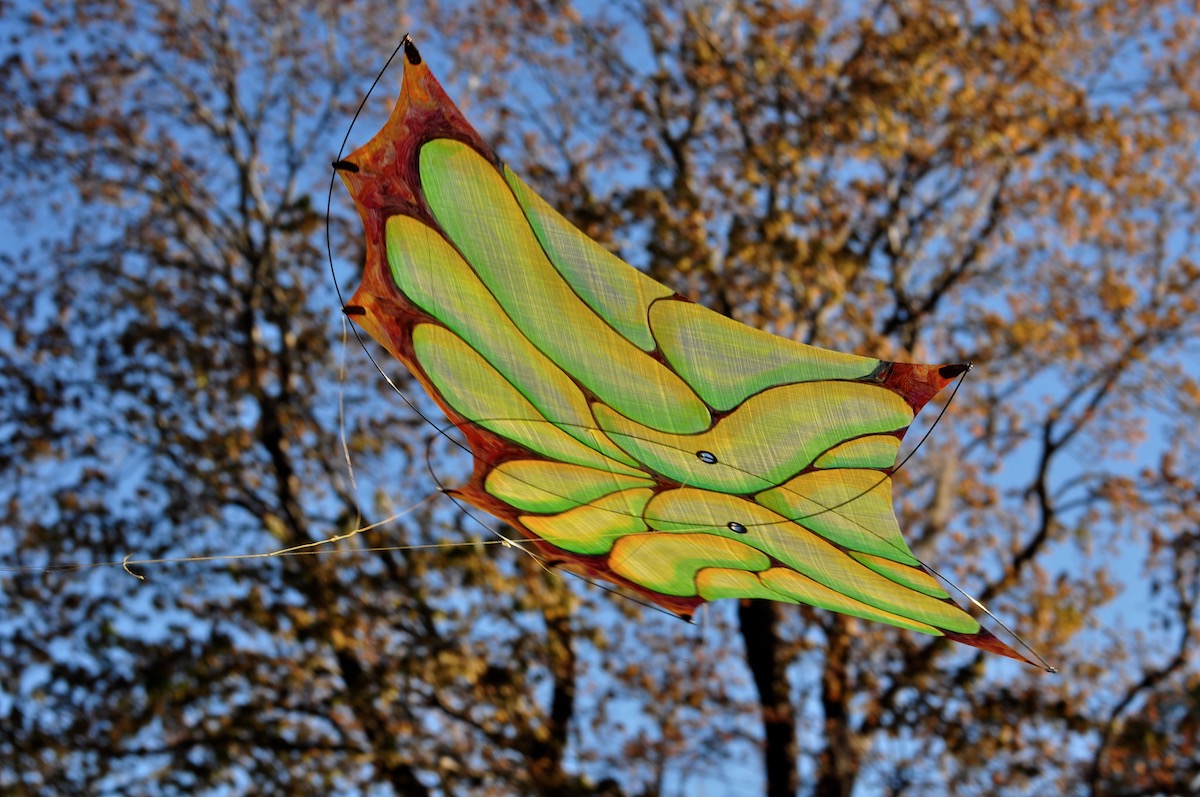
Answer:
(632, 435)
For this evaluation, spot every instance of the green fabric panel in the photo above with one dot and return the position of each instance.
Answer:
(769, 438)
(726, 361)
(911, 577)
(618, 292)
(475, 207)
(435, 278)
(592, 529)
(872, 451)
(669, 563)
(478, 392)
(850, 507)
(801, 588)
(714, 583)
(688, 511)
(537, 485)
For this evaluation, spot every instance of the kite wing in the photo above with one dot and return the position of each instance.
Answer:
(630, 434)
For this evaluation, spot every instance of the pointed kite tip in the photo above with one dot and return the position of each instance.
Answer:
(410, 51)
(354, 309)
(956, 369)
(986, 640)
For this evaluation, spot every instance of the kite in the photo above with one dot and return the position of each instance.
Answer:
(632, 435)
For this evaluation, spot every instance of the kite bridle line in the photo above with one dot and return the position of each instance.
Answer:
(341, 165)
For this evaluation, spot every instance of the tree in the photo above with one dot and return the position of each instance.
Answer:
(1015, 185)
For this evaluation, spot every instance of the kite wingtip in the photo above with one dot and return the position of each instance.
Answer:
(953, 370)
(1035, 660)
(410, 50)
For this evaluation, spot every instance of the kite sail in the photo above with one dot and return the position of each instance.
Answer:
(632, 435)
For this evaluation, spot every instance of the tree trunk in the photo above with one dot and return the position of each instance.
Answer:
(764, 653)
(838, 763)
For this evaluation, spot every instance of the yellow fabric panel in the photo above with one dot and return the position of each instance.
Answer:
(477, 391)
(668, 563)
(903, 574)
(618, 292)
(798, 587)
(851, 507)
(537, 485)
(715, 583)
(771, 437)
(726, 361)
(592, 529)
(872, 451)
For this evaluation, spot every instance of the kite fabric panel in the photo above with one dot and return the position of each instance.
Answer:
(632, 435)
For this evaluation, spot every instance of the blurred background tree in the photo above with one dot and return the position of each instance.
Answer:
(1013, 184)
